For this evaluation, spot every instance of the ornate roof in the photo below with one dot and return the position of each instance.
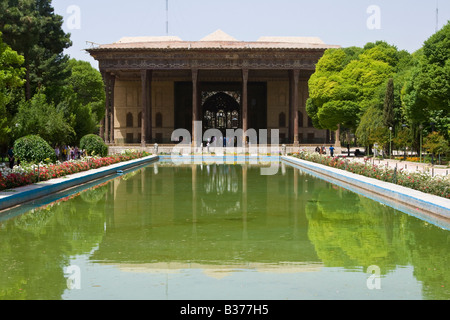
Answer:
(217, 40)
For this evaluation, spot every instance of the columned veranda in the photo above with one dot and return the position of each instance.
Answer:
(146, 76)
(277, 68)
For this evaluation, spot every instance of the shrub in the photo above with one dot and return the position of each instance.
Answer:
(34, 149)
(94, 145)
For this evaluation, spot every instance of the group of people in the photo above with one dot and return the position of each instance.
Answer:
(323, 150)
(66, 153)
(63, 153)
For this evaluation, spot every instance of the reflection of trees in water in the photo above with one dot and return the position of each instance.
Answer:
(37, 245)
(353, 231)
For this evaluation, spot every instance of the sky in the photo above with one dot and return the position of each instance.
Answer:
(403, 23)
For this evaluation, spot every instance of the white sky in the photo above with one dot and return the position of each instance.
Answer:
(403, 23)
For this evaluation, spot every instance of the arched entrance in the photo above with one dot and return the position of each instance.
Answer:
(222, 111)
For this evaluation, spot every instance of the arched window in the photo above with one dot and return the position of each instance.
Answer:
(282, 120)
(235, 119)
(159, 120)
(140, 120)
(300, 119)
(221, 111)
(210, 119)
(221, 120)
(310, 122)
(129, 120)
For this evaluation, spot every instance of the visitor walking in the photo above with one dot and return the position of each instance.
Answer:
(332, 151)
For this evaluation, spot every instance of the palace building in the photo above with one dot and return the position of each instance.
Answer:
(155, 85)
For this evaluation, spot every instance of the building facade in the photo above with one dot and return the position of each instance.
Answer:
(155, 85)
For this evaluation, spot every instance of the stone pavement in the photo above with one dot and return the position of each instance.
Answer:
(409, 166)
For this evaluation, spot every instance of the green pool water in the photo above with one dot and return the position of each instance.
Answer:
(220, 232)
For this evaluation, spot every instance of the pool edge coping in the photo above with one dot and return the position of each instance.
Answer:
(413, 198)
(35, 191)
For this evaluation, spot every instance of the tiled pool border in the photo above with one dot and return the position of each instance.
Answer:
(404, 196)
(410, 198)
(9, 199)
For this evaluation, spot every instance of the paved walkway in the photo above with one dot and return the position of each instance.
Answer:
(409, 166)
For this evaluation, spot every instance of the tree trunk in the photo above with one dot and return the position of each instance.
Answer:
(27, 84)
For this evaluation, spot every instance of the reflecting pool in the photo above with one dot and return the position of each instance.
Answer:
(220, 232)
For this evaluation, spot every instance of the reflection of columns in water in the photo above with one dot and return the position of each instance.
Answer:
(194, 199)
(110, 198)
(244, 203)
(296, 200)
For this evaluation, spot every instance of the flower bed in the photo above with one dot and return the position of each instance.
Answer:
(438, 185)
(31, 173)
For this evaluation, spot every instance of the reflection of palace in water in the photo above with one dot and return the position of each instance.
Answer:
(219, 220)
(251, 218)
(223, 218)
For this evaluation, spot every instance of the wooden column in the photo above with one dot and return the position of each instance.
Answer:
(106, 80)
(112, 84)
(146, 108)
(295, 75)
(244, 104)
(196, 116)
(102, 121)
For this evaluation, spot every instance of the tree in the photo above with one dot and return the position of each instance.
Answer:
(33, 29)
(427, 90)
(368, 131)
(403, 139)
(346, 83)
(38, 117)
(436, 144)
(11, 78)
(84, 99)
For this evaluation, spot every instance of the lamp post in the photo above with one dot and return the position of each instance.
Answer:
(421, 129)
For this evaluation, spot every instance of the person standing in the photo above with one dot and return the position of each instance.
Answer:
(11, 157)
(332, 151)
(57, 152)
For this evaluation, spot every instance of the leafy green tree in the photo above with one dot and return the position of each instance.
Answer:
(87, 83)
(84, 99)
(11, 77)
(427, 90)
(403, 139)
(369, 126)
(346, 83)
(33, 29)
(436, 144)
(38, 117)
